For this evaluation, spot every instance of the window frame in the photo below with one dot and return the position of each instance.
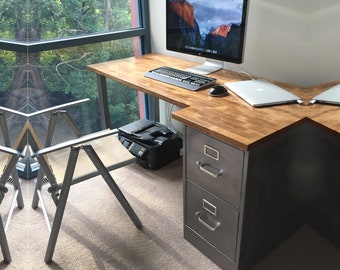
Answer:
(54, 44)
(143, 32)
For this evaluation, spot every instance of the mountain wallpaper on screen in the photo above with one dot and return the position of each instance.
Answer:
(185, 29)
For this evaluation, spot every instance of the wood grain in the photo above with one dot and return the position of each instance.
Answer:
(229, 118)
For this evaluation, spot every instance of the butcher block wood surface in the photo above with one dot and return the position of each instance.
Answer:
(229, 118)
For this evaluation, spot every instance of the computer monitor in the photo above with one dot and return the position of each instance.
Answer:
(213, 29)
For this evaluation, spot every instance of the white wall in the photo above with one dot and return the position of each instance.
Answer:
(292, 41)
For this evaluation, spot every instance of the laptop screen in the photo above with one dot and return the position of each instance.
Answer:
(330, 96)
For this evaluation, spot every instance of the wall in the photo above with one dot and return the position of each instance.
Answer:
(291, 41)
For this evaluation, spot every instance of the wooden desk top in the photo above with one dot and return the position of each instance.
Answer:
(229, 118)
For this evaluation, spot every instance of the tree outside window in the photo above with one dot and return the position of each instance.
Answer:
(32, 81)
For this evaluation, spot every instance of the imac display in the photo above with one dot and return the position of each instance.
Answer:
(212, 29)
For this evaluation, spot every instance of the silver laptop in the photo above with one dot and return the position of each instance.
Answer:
(259, 93)
(330, 96)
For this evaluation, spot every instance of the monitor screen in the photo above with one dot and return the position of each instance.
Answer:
(214, 29)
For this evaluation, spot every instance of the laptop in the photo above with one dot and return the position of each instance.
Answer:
(259, 93)
(330, 96)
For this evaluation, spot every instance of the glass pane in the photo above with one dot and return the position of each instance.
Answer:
(36, 81)
(8, 61)
(56, 77)
(32, 20)
(123, 104)
(13, 94)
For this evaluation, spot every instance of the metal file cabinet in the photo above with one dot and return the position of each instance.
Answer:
(212, 195)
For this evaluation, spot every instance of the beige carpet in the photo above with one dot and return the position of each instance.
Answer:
(97, 234)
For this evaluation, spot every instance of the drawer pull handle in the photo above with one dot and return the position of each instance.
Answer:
(205, 220)
(208, 169)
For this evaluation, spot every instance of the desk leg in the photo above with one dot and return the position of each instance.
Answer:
(112, 184)
(103, 102)
(152, 107)
(4, 244)
(71, 164)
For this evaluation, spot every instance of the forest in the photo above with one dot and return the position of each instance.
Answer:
(34, 81)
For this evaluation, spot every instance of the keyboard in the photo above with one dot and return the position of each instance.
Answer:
(181, 78)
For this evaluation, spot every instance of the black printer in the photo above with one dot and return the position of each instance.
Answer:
(152, 143)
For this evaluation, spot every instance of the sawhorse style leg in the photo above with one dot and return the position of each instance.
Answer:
(61, 204)
(17, 189)
(4, 244)
(11, 172)
(112, 184)
(8, 173)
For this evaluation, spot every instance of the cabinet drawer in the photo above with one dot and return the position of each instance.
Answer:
(214, 165)
(212, 219)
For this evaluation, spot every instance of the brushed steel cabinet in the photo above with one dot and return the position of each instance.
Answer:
(215, 166)
(212, 219)
(212, 197)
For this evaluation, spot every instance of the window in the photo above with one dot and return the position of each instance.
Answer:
(45, 46)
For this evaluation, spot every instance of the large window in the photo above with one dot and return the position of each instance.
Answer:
(46, 46)
(31, 20)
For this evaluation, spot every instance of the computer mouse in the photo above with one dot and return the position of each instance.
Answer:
(218, 91)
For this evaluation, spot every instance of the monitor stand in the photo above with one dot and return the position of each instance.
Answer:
(207, 67)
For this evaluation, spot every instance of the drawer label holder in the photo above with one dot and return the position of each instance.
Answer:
(211, 152)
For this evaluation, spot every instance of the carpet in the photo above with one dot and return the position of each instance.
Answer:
(96, 233)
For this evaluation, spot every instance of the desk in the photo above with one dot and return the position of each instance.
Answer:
(280, 163)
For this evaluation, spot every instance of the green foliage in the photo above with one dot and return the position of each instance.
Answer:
(64, 74)
(7, 62)
(124, 108)
(65, 71)
(9, 13)
(46, 19)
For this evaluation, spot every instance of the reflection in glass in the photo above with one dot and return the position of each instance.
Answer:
(35, 81)
(32, 20)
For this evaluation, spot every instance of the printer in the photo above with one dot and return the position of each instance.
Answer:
(152, 143)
